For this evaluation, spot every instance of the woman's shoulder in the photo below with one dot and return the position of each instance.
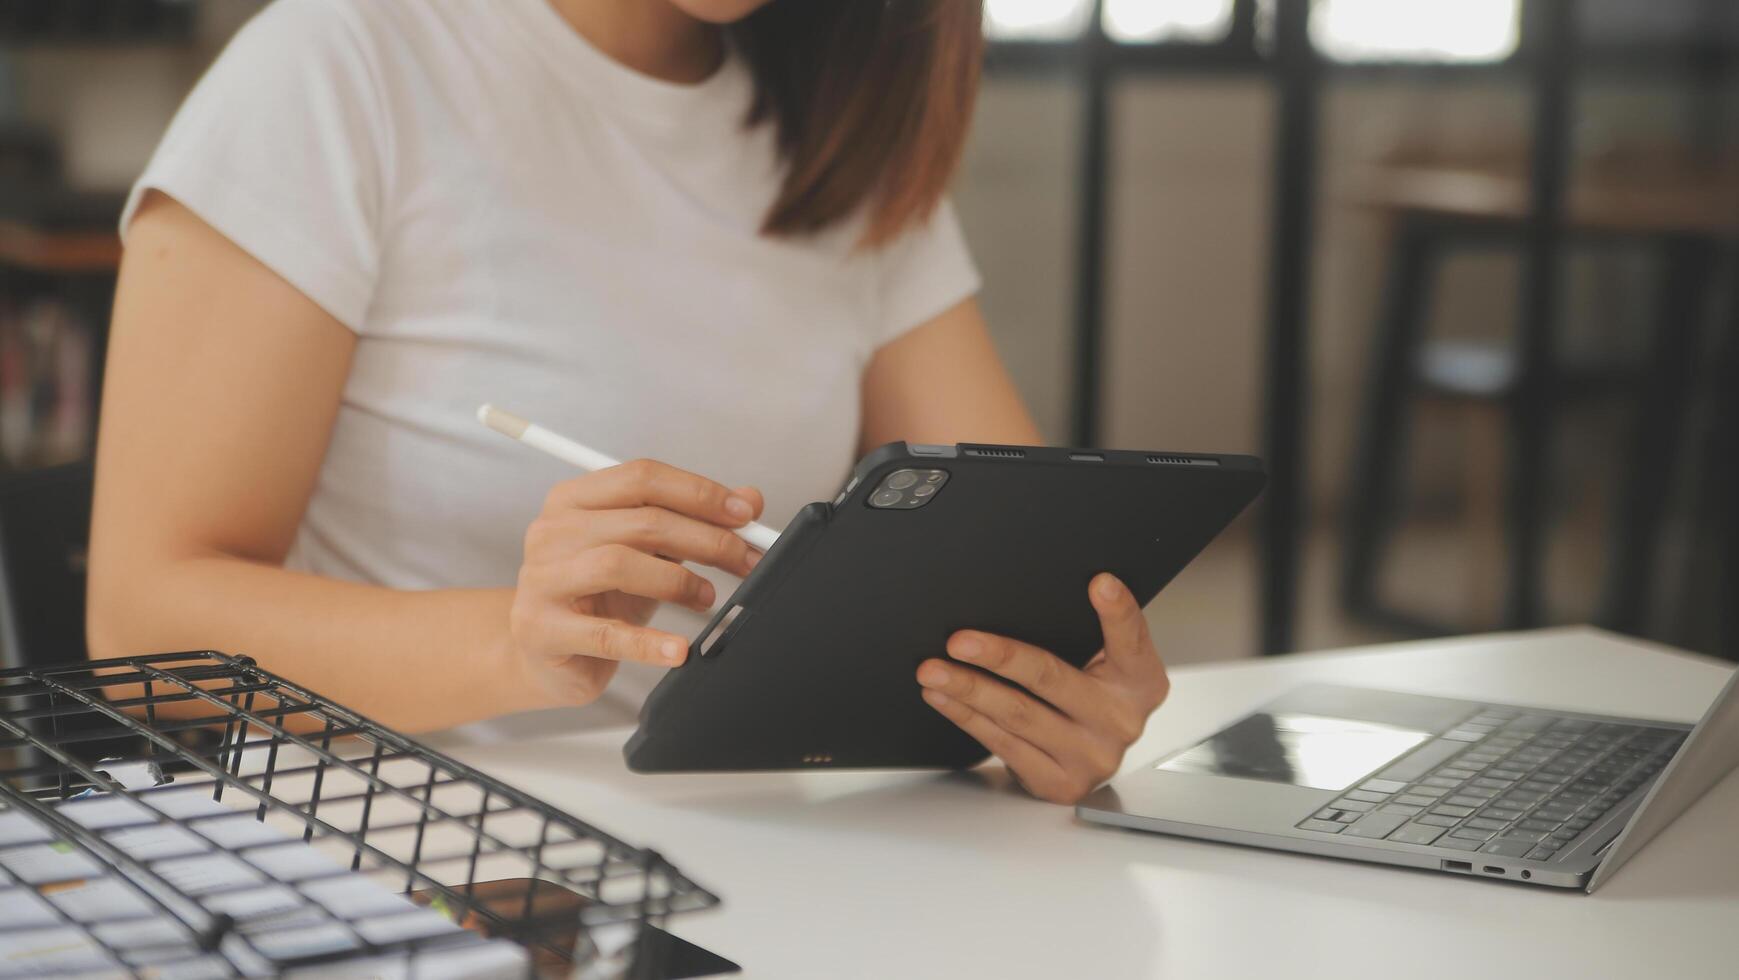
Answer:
(306, 36)
(378, 42)
(376, 28)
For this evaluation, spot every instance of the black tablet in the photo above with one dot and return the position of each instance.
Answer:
(812, 663)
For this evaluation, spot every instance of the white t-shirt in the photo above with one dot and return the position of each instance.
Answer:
(504, 214)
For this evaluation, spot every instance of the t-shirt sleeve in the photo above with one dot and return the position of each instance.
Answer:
(924, 272)
(281, 149)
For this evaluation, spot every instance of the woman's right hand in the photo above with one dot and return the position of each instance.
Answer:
(605, 551)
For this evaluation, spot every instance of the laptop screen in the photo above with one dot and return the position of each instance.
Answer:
(1709, 753)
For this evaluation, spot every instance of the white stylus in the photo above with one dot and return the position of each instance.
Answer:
(590, 460)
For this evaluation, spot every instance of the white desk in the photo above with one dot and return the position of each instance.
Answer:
(902, 874)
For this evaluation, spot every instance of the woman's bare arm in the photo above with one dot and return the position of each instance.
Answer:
(222, 387)
(223, 384)
(942, 382)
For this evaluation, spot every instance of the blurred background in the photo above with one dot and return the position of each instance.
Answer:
(1463, 271)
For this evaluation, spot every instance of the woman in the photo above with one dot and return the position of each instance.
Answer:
(706, 232)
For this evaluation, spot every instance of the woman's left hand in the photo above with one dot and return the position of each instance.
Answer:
(1068, 736)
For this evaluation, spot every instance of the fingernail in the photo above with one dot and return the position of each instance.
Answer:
(707, 594)
(1109, 587)
(739, 508)
(968, 648)
(753, 559)
(672, 650)
(936, 698)
(933, 675)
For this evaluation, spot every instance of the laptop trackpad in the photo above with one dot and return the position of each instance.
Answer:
(1298, 748)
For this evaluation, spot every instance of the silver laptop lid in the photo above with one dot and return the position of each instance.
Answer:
(1709, 753)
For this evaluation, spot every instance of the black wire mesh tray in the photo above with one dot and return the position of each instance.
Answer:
(193, 815)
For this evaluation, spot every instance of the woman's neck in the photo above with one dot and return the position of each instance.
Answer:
(650, 36)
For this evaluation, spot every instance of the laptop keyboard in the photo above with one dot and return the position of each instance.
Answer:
(1504, 782)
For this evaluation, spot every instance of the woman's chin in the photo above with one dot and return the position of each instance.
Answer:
(719, 11)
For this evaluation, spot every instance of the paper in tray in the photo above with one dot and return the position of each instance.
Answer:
(290, 838)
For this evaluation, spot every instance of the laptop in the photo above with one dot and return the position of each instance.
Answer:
(1546, 797)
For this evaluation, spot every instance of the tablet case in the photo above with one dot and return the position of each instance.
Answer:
(812, 662)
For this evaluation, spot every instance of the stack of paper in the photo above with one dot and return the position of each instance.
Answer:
(63, 912)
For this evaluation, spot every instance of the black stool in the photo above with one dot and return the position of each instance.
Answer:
(1484, 211)
(45, 527)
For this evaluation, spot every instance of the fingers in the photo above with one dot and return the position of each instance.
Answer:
(1069, 734)
(546, 623)
(1012, 711)
(617, 568)
(1077, 747)
(1129, 648)
(753, 496)
(652, 530)
(1120, 618)
(1039, 671)
(1084, 700)
(1042, 775)
(603, 534)
(646, 482)
(574, 635)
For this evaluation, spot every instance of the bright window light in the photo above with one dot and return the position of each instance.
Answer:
(1416, 30)
(1035, 20)
(1148, 21)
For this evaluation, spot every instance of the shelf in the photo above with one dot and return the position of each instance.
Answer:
(50, 22)
(1688, 202)
(59, 252)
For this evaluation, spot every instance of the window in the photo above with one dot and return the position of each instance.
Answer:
(1131, 21)
(1416, 30)
(1345, 30)
(1035, 20)
(1148, 21)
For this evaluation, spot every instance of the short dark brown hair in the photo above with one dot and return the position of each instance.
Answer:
(871, 99)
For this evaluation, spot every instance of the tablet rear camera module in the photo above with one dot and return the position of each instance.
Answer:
(902, 480)
(907, 489)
